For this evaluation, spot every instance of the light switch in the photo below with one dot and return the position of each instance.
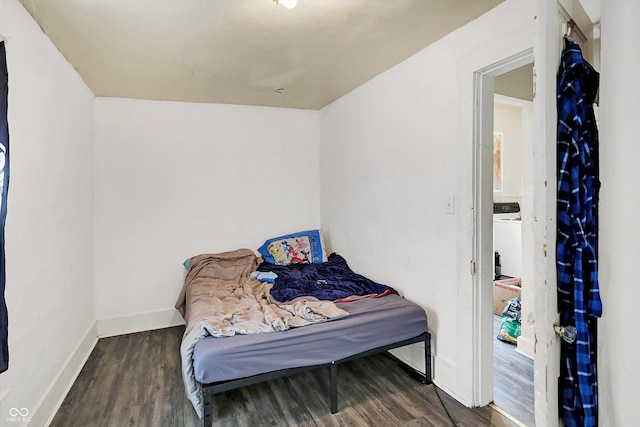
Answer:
(451, 205)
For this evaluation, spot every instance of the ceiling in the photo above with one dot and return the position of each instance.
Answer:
(251, 52)
(516, 84)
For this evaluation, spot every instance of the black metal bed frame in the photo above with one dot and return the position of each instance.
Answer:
(209, 390)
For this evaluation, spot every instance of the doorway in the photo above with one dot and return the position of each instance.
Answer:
(486, 81)
(513, 293)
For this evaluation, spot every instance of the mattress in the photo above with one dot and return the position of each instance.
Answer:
(371, 323)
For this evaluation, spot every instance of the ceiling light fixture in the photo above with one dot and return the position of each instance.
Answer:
(289, 4)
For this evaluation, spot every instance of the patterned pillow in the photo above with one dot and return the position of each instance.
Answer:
(305, 247)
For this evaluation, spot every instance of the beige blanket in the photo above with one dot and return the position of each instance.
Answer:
(219, 298)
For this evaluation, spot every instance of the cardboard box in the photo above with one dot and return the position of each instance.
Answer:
(504, 290)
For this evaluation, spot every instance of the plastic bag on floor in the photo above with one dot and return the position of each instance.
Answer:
(510, 328)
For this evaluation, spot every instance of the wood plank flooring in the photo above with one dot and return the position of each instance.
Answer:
(135, 380)
(512, 379)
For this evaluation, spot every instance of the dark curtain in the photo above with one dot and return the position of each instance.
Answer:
(4, 183)
(579, 301)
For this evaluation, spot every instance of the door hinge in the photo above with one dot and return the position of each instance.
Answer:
(472, 266)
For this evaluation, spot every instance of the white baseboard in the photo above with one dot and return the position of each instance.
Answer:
(52, 399)
(525, 347)
(412, 355)
(139, 322)
(443, 371)
(445, 374)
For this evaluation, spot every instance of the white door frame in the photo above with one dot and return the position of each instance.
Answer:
(483, 220)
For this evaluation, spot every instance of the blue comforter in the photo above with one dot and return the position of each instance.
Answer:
(332, 280)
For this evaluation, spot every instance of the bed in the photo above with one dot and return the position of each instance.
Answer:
(259, 338)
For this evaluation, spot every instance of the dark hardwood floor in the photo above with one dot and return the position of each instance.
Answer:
(135, 380)
(512, 379)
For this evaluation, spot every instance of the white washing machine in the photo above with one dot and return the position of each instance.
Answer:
(507, 237)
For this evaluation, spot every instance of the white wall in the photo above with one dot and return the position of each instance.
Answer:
(619, 206)
(526, 341)
(174, 180)
(393, 151)
(514, 118)
(49, 230)
(507, 119)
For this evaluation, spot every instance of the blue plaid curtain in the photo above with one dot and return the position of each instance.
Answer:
(4, 186)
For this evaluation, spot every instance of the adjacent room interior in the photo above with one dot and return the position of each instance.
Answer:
(513, 243)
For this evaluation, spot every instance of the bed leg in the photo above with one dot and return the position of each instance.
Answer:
(333, 387)
(427, 359)
(207, 417)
